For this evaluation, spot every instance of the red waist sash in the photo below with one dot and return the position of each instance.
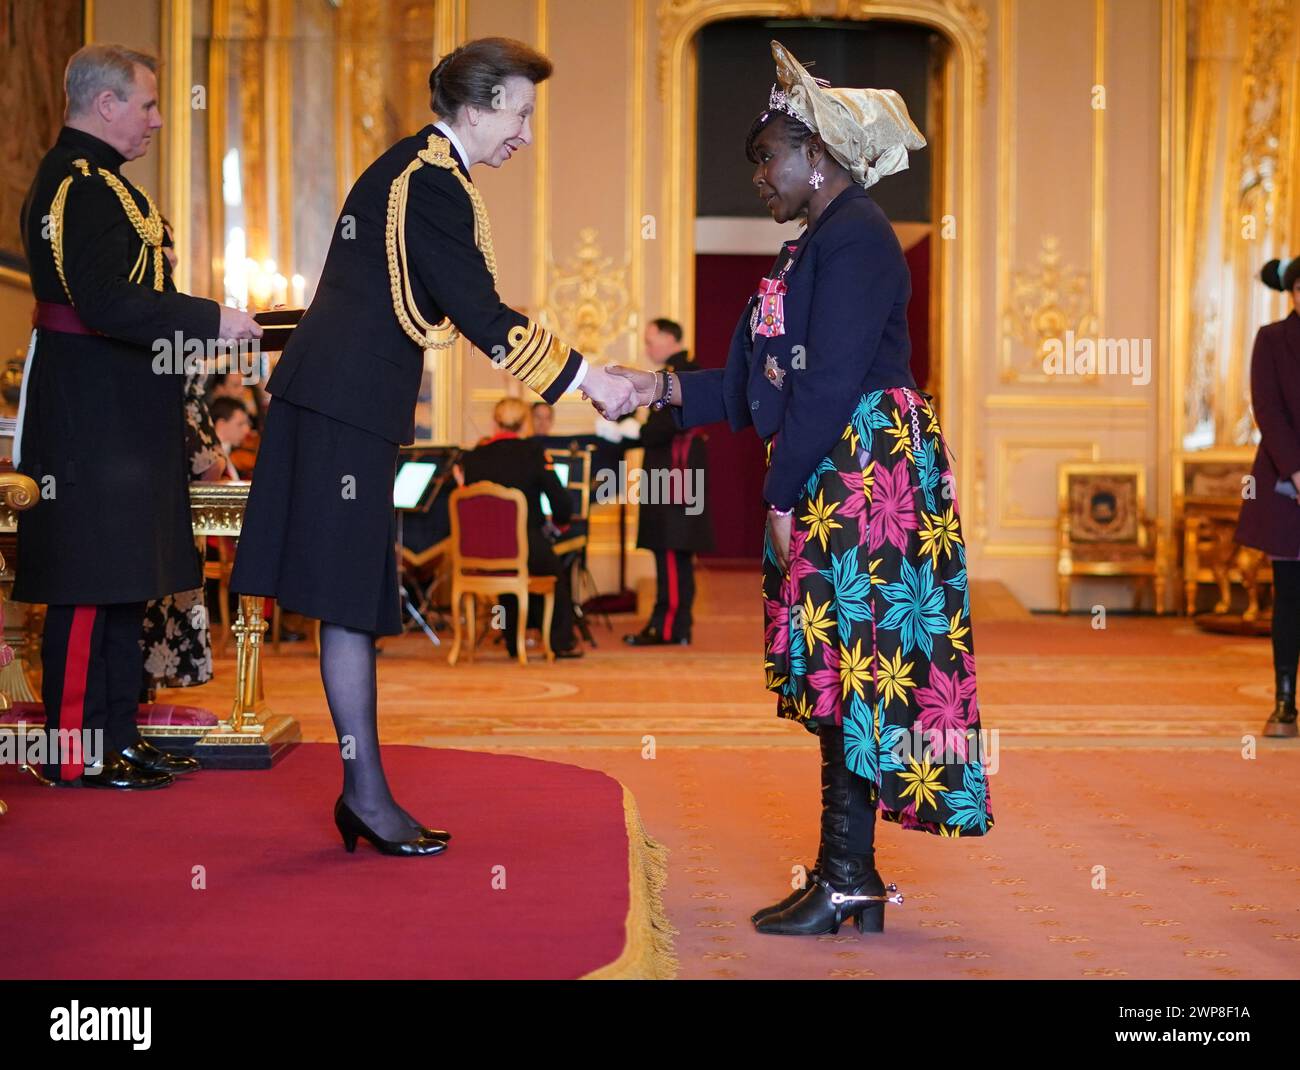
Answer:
(54, 317)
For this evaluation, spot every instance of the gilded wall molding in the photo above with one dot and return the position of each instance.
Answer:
(1042, 306)
(1018, 323)
(588, 302)
(675, 16)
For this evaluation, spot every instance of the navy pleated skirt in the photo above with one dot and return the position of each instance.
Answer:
(319, 532)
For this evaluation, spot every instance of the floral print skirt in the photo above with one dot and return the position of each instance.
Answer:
(870, 628)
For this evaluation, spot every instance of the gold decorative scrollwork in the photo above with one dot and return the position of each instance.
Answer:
(1044, 304)
(588, 299)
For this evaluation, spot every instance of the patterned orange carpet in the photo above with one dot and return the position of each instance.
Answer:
(1144, 830)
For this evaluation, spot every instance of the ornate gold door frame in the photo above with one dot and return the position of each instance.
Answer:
(964, 24)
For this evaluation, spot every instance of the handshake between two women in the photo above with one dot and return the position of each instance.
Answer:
(617, 391)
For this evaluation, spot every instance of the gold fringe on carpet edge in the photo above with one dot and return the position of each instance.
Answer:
(648, 954)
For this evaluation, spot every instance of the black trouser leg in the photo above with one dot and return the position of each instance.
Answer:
(685, 568)
(562, 619)
(674, 593)
(1286, 616)
(73, 681)
(124, 667)
(656, 621)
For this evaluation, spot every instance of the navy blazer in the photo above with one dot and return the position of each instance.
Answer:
(847, 287)
(349, 359)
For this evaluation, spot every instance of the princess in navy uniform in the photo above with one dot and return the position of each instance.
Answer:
(411, 266)
(868, 631)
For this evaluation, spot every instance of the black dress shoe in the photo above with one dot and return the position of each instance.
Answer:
(352, 827)
(651, 637)
(144, 755)
(571, 652)
(117, 773)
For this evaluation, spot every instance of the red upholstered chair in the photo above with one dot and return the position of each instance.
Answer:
(489, 556)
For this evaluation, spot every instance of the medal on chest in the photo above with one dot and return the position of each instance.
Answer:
(774, 372)
(769, 313)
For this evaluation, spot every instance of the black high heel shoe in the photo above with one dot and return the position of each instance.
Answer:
(352, 827)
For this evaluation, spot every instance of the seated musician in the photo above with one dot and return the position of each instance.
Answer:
(511, 460)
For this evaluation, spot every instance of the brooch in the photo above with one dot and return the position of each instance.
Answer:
(775, 374)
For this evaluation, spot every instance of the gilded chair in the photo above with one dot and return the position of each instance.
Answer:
(1103, 530)
(489, 556)
(1209, 486)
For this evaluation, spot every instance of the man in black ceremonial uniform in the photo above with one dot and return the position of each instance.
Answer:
(676, 530)
(513, 461)
(101, 418)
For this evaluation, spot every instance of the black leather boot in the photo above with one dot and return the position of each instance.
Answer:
(828, 782)
(1282, 724)
(847, 884)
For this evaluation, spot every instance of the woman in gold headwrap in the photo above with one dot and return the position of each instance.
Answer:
(868, 632)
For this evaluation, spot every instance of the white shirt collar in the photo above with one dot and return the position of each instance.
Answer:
(450, 135)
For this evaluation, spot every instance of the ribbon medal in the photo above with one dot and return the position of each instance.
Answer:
(771, 308)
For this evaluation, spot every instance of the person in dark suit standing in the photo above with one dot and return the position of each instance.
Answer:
(102, 416)
(1270, 519)
(865, 593)
(411, 266)
(511, 460)
(679, 528)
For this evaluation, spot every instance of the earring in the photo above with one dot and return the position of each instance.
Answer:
(816, 179)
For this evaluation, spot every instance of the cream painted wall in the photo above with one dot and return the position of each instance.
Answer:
(1044, 78)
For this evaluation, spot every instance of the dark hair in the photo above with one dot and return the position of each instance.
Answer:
(669, 327)
(472, 73)
(541, 405)
(796, 134)
(1286, 281)
(223, 408)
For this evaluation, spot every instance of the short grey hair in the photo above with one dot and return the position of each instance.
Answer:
(95, 68)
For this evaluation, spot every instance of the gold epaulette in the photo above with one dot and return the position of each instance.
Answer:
(536, 357)
(428, 336)
(149, 228)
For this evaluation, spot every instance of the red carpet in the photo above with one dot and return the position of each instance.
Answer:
(99, 884)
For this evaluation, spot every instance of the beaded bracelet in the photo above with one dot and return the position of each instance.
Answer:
(779, 512)
(667, 396)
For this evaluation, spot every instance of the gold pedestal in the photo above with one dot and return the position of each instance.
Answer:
(17, 492)
(251, 737)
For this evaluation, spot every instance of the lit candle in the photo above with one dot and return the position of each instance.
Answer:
(279, 289)
(299, 292)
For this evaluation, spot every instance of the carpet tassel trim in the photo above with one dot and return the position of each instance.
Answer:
(648, 954)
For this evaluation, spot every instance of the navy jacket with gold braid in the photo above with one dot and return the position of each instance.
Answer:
(845, 334)
(349, 357)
